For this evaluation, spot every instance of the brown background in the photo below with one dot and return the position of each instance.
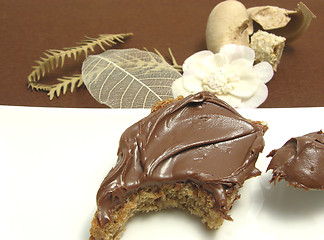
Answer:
(28, 28)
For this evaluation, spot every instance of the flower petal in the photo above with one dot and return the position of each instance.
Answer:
(191, 83)
(245, 89)
(178, 89)
(197, 58)
(196, 69)
(205, 66)
(264, 71)
(257, 99)
(248, 75)
(241, 65)
(234, 52)
(216, 61)
(231, 100)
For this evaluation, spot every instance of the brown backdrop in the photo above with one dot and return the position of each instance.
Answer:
(28, 28)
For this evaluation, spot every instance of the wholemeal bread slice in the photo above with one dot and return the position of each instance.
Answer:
(191, 153)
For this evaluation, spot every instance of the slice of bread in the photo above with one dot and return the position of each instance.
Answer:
(186, 196)
(191, 153)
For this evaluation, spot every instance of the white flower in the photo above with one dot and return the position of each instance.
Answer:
(229, 74)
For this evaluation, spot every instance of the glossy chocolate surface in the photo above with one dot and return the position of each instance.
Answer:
(300, 161)
(199, 139)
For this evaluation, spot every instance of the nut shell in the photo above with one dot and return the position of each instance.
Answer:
(228, 23)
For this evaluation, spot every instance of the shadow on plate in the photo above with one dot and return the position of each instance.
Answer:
(292, 203)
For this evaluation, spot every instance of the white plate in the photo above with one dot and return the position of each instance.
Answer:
(52, 161)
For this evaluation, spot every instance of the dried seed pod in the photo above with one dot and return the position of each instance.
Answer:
(270, 17)
(228, 23)
(267, 47)
(286, 23)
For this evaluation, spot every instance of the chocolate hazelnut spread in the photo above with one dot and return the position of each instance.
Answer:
(300, 161)
(199, 139)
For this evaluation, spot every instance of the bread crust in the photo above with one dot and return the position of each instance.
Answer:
(186, 196)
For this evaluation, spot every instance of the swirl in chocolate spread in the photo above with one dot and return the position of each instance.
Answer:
(198, 139)
(300, 161)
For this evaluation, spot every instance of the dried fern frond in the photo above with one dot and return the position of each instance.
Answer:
(54, 57)
(39, 86)
(173, 60)
(62, 86)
